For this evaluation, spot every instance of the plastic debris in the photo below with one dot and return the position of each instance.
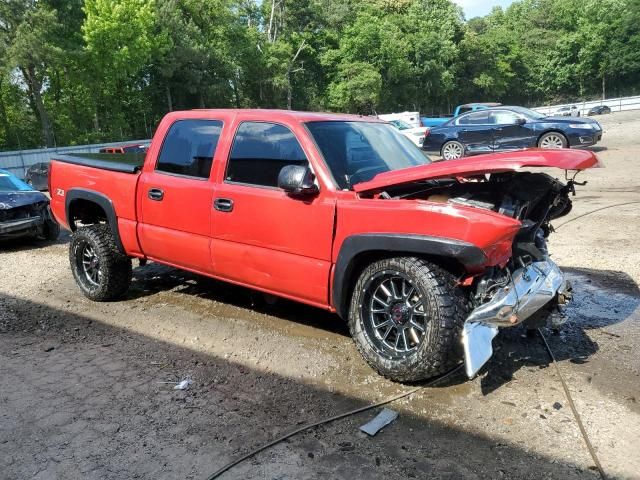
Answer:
(184, 384)
(384, 418)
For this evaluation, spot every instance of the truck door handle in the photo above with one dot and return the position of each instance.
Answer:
(223, 204)
(155, 194)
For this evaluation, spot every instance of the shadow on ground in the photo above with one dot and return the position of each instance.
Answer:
(81, 399)
(155, 278)
(597, 148)
(29, 243)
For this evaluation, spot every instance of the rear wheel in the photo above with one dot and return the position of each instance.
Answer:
(452, 150)
(101, 271)
(553, 140)
(405, 317)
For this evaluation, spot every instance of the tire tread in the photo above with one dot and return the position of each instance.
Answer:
(116, 267)
(444, 349)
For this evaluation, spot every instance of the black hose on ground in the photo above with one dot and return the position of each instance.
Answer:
(432, 383)
(594, 211)
(576, 415)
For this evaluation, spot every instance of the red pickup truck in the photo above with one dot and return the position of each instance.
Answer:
(423, 260)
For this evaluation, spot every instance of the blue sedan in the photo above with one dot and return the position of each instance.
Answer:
(509, 128)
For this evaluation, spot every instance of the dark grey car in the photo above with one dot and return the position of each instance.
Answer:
(24, 212)
(37, 176)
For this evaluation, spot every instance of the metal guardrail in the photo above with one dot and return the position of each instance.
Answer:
(615, 104)
(18, 161)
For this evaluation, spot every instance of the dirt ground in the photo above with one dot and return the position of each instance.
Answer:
(84, 392)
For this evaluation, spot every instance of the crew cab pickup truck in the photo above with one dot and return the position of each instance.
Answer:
(425, 261)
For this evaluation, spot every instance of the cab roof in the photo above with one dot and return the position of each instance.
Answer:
(275, 114)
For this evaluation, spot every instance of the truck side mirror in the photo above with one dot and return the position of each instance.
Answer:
(297, 180)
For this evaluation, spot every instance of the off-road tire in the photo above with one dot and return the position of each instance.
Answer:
(440, 349)
(115, 267)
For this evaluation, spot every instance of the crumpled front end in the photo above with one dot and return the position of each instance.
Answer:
(528, 290)
(22, 213)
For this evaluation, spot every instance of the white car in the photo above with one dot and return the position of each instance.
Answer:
(568, 111)
(415, 134)
(410, 118)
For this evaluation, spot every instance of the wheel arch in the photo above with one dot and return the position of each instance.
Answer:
(358, 251)
(91, 207)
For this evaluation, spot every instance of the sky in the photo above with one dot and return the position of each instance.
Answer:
(476, 8)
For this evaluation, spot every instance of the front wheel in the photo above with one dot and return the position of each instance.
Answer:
(553, 140)
(452, 150)
(101, 271)
(405, 317)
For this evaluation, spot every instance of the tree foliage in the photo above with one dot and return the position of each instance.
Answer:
(77, 71)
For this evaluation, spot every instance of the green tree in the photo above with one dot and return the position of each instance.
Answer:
(28, 33)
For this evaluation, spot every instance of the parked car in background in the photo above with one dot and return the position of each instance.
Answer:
(133, 148)
(336, 211)
(599, 110)
(410, 118)
(459, 110)
(509, 128)
(568, 111)
(37, 176)
(415, 134)
(24, 212)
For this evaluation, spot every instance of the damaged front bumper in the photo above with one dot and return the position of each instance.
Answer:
(21, 225)
(530, 289)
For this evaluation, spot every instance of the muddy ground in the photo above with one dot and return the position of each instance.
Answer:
(84, 392)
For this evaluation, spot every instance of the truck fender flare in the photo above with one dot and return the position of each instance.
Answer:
(355, 245)
(99, 199)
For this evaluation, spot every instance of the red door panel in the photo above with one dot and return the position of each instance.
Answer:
(274, 242)
(176, 228)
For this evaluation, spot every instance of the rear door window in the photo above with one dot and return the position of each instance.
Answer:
(260, 150)
(504, 117)
(475, 118)
(189, 147)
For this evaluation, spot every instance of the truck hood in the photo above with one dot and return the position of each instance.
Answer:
(482, 164)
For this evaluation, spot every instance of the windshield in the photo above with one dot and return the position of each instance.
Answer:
(527, 112)
(9, 183)
(400, 124)
(357, 151)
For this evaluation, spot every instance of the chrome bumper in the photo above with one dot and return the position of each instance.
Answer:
(531, 288)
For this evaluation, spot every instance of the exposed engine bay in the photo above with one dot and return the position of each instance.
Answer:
(533, 198)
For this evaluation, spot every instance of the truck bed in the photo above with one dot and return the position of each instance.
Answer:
(115, 162)
(115, 176)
